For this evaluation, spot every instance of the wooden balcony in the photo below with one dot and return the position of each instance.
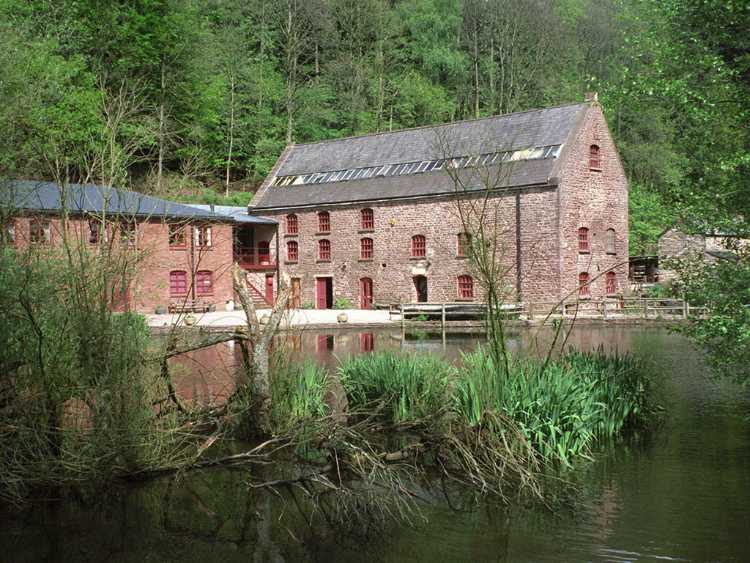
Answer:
(257, 258)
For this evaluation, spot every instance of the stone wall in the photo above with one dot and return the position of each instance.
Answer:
(392, 268)
(597, 200)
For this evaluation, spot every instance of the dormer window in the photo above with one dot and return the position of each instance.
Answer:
(595, 162)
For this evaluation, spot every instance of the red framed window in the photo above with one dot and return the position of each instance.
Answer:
(611, 283)
(178, 283)
(583, 284)
(177, 236)
(292, 251)
(39, 231)
(367, 217)
(418, 246)
(324, 222)
(203, 237)
(365, 249)
(611, 242)
(583, 240)
(465, 287)
(292, 224)
(463, 244)
(595, 159)
(324, 250)
(204, 282)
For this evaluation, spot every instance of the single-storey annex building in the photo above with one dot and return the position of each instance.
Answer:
(378, 218)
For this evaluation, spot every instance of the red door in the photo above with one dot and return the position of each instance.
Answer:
(365, 293)
(320, 293)
(269, 289)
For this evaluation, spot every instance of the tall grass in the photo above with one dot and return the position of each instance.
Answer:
(406, 387)
(560, 411)
(299, 394)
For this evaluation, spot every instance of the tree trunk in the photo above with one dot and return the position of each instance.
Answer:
(260, 338)
(162, 127)
(231, 131)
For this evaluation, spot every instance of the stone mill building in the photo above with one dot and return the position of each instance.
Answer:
(381, 218)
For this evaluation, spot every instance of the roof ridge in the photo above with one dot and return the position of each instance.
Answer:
(436, 125)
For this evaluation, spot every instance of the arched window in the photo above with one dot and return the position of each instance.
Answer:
(418, 246)
(465, 287)
(611, 283)
(583, 240)
(368, 220)
(583, 284)
(204, 282)
(464, 242)
(611, 240)
(365, 249)
(178, 284)
(595, 160)
(324, 222)
(324, 250)
(292, 251)
(292, 225)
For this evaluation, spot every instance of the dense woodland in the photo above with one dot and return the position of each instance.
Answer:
(189, 98)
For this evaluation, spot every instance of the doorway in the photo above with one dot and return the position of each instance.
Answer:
(269, 289)
(420, 286)
(296, 301)
(365, 293)
(324, 293)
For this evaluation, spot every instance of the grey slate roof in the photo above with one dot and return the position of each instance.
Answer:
(29, 195)
(515, 131)
(236, 214)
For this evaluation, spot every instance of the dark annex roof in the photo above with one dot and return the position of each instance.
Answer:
(514, 136)
(30, 195)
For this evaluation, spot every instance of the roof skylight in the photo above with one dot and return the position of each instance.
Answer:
(418, 167)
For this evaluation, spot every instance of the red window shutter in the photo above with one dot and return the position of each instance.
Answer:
(595, 162)
(204, 282)
(365, 249)
(368, 220)
(292, 251)
(178, 283)
(611, 284)
(418, 246)
(583, 284)
(324, 250)
(324, 222)
(465, 287)
(292, 225)
(583, 240)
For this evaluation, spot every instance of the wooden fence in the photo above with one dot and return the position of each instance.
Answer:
(608, 309)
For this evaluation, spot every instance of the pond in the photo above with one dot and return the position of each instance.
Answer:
(681, 494)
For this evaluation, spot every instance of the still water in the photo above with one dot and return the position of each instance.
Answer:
(682, 494)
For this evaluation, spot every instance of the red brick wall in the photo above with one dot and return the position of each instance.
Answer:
(597, 200)
(154, 259)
